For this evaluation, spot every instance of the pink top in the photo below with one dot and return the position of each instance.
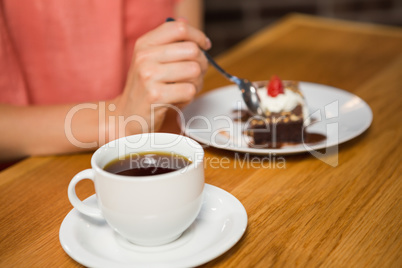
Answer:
(70, 51)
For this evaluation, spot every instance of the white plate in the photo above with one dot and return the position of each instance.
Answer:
(340, 116)
(220, 224)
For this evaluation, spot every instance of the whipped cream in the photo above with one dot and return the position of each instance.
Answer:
(283, 102)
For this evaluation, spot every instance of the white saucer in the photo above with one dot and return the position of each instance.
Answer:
(220, 224)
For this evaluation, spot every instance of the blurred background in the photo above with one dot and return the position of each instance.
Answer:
(229, 21)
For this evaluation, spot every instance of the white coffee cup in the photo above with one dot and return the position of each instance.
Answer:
(149, 210)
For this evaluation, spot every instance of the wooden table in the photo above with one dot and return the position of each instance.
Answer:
(309, 214)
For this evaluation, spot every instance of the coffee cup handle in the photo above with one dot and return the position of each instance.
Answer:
(90, 211)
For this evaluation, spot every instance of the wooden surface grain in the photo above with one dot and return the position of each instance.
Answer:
(307, 214)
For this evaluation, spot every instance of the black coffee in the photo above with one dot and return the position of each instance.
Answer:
(147, 163)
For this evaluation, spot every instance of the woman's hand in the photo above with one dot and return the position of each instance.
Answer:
(167, 68)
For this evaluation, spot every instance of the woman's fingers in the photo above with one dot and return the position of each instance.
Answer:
(175, 52)
(172, 32)
(180, 51)
(167, 68)
(184, 71)
(174, 93)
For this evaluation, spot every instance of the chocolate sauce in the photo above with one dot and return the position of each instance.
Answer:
(241, 115)
(313, 137)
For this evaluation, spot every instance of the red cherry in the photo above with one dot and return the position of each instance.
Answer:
(275, 86)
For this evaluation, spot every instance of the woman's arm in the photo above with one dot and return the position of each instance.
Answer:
(167, 69)
(40, 130)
